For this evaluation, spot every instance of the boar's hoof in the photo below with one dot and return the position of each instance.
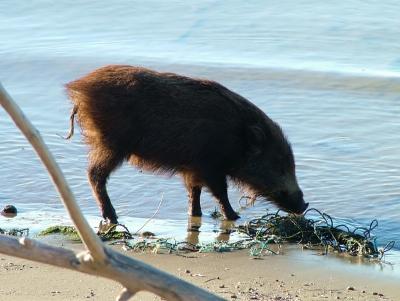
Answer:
(232, 216)
(105, 226)
(110, 217)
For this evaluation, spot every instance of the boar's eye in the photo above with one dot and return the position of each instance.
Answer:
(256, 139)
(285, 165)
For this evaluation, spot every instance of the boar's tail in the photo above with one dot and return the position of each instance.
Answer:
(71, 122)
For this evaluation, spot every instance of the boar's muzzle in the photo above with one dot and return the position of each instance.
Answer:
(290, 202)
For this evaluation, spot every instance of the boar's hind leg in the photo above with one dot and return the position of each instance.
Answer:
(98, 173)
(218, 187)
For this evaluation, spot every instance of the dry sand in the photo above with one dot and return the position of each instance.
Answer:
(295, 275)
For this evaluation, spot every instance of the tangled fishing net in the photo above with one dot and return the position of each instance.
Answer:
(318, 232)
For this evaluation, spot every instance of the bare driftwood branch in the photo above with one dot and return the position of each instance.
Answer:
(99, 260)
(134, 275)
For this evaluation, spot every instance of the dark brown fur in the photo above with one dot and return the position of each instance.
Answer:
(165, 122)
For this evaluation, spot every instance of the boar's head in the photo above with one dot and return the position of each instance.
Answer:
(269, 168)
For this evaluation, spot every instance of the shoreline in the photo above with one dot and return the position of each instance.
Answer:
(295, 275)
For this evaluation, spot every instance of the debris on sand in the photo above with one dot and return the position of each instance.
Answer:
(259, 234)
(15, 232)
(276, 228)
(9, 211)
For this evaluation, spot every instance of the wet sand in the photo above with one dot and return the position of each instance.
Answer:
(295, 275)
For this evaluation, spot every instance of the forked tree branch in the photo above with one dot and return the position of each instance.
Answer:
(99, 260)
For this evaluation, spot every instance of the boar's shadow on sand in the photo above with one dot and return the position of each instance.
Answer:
(164, 122)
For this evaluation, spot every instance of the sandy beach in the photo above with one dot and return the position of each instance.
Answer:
(294, 275)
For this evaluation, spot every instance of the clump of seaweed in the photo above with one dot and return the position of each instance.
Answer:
(68, 231)
(111, 233)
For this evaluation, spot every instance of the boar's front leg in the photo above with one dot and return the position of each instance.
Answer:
(194, 191)
(98, 173)
(194, 201)
(218, 187)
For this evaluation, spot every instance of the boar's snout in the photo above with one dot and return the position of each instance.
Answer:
(290, 202)
(304, 208)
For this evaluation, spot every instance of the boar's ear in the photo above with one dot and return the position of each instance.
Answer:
(256, 139)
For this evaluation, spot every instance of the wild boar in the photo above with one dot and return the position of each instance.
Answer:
(168, 123)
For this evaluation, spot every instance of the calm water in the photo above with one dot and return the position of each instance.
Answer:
(328, 73)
